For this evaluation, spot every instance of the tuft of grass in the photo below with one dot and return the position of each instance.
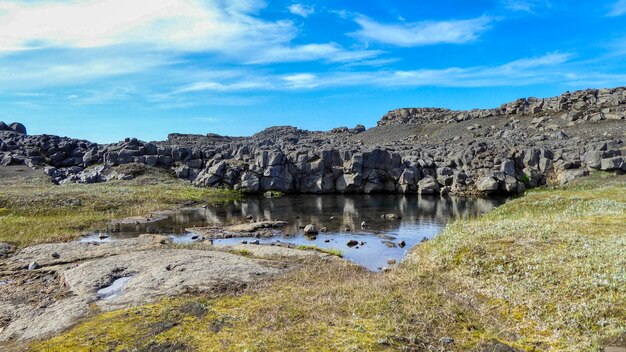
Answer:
(525, 180)
(331, 251)
(544, 272)
(242, 252)
(36, 211)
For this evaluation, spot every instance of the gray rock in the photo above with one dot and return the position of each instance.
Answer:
(612, 164)
(6, 249)
(488, 184)
(593, 159)
(18, 127)
(568, 176)
(310, 230)
(428, 185)
(391, 217)
(508, 167)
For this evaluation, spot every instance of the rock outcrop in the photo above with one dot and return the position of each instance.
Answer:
(506, 150)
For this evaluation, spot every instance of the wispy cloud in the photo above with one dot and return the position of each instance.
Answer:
(543, 69)
(206, 119)
(221, 87)
(549, 68)
(300, 80)
(422, 33)
(330, 52)
(49, 68)
(301, 10)
(618, 9)
(529, 6)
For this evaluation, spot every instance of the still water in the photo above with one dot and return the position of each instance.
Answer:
(379, 240)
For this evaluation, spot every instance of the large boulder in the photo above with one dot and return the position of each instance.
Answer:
(249, 182)
(4, 127)
(428, 185)
(487, 184)
(568, 176)
(18, 127)
(612, 164)
(348, 183)
(593, 158)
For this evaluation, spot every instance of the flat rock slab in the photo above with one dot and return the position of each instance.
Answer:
(261, 228)
(162, 272)
(70, 252)
(46, 301)
(254, 226)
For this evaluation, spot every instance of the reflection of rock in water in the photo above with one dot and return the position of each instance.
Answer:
(350, 211)
(336, 212)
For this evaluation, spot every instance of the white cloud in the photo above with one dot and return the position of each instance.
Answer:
(185, 24)
(301, 80)
(28, 70)
(301, 10)
(206, 119)
(618, 9)
(422, 33)
(549, 68)
(221, 87)
(330, 52)
(229, 28)
(529, 6)
(543, 69)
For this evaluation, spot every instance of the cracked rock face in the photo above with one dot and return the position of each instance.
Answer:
(504, 150)
(48, 300)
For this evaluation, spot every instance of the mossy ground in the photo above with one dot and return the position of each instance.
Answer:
(331, 251)
(33, 210)
(546, 271)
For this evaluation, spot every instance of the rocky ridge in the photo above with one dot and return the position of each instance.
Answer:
(522, 144)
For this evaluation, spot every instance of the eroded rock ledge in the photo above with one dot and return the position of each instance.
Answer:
(519, 145)
(44, 289)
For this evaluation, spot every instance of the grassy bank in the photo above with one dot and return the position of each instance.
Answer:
(546, 271)
(33, 210)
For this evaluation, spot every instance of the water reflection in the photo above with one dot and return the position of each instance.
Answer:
(342, 215)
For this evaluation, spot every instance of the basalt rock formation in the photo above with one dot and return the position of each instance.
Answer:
(506, 150)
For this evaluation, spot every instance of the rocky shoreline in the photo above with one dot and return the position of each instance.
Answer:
(520, 145)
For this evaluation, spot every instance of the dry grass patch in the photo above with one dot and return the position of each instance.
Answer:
(34, 210)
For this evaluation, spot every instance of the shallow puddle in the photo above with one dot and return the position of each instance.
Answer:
(114, 289)
(421, 218)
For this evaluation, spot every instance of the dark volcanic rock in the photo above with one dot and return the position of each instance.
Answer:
(525, 143)
(18, 127)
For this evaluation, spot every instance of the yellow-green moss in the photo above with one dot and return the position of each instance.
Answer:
(331, 251)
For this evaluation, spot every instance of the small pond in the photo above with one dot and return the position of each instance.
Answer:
(379, 241)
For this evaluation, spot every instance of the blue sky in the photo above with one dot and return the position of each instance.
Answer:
(103, 70)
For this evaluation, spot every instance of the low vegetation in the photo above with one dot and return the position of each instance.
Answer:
(543, 272)
(33, 210)
(331, 251)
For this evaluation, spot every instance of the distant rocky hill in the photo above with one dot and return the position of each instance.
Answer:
(583, 105)
(506, 150)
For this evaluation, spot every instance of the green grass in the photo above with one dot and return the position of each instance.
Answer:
(34, 210)
(544, 272)
(331, 251)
